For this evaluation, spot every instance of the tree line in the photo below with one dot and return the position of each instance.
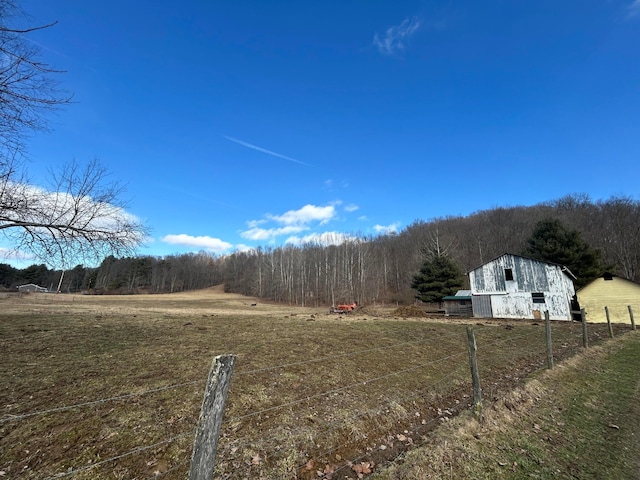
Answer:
(383, 269)
(368, 269)
(128, 275)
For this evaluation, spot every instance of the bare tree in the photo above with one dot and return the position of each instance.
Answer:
(28, 87)
(82, 215)
(81, 218)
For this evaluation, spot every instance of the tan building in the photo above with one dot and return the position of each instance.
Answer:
(610, 291)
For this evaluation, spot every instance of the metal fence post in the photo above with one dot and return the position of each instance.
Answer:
(633, 323)
(205, 445)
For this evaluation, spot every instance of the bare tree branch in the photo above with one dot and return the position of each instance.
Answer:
(80, 218)
(28, 87)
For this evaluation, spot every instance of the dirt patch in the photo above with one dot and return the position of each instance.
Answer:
(410, 311)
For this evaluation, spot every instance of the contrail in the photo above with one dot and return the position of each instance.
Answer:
(264, 150)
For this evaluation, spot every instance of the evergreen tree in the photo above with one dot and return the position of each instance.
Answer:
(438, 277)
(552, 242)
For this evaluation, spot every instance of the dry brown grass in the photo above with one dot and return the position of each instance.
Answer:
(579, 420)
(111, 386)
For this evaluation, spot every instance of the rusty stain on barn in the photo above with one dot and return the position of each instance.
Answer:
(513, 286)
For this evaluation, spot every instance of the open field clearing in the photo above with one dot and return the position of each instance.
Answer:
(111, 387)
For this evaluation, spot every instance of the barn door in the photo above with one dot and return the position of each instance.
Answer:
(482, 306)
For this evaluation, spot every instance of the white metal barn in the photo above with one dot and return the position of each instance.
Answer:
(513, 286)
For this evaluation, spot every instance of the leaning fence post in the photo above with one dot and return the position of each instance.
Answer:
(633, 323)
(547, 326)
(475, 375)
(606, 311)
(585, 335)
(205, 445)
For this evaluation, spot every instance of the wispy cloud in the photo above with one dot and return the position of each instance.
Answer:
(393, 41)
(331, 184)
(261, 234)
(289, 223)
(11, 254)
(633, 10)
(210, 244)
(386, 229)
(264, 150)
(352, 207)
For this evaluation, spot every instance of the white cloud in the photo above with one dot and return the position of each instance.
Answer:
(324, 239)
(395, 36)
(351, 207)
(331, 184)
(633, 9)
(290, 222)
(208, 243)
(386, 229)
(305, 215)
(270, 233)
(11, 254)
(255, 223)
(66, 208)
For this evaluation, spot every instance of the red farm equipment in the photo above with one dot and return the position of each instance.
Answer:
(346, 308)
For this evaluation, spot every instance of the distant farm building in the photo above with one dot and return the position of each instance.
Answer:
(31, 287)
(458, 304)
(513, 286)
(615, 293)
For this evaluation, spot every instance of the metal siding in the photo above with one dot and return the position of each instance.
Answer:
(529, 276)
(481, 306)
(476, 280)
(498, 277)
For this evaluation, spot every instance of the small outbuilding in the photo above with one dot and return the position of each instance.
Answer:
(458, 304)
(513, 286)
(615, 293)
(31, 287)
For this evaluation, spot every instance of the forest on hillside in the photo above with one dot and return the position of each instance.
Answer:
(365, 269)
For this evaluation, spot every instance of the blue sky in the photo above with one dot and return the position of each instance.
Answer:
(242, 123)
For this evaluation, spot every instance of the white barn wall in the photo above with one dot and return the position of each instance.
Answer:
(512, 298)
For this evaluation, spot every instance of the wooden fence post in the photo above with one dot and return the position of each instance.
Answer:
(205, 445)
(633, 323)
(606, 312)
(585, 335)
(547, 325)
(475, 374)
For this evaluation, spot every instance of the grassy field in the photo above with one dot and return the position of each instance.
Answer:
(110, 387)
(579, 420)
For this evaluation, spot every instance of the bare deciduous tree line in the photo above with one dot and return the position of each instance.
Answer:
(380, 269)
(366, 270)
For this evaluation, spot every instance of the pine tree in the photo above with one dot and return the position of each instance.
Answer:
(438, 277)
(552, 242)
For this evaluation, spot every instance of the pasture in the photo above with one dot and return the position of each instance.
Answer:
(97, 387)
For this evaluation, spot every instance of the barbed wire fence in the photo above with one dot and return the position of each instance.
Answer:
(354, 424)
